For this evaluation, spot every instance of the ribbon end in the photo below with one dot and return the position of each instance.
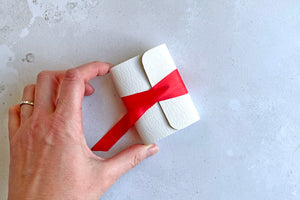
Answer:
(100, 148)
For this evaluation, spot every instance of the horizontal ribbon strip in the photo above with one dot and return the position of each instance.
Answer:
(137, 104)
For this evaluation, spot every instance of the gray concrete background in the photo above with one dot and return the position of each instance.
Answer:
(239, 59)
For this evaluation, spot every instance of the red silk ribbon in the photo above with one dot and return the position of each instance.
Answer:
(137, 104)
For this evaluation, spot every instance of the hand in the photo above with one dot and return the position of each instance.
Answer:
(49, 157)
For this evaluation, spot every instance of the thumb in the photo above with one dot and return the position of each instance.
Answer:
(129, 158)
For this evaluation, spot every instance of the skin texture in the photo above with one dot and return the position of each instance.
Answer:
(49, 157)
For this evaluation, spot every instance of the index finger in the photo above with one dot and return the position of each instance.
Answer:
(73, 86)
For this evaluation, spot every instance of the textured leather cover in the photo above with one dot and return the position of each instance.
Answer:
(141, 73)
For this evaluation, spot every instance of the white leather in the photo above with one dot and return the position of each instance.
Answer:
(141, 73)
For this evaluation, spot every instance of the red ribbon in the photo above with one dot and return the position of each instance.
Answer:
(137, 104)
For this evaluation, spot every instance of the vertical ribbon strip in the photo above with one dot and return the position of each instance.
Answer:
(137, 104)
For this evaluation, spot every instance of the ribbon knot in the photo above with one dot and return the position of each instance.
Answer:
(137, 104)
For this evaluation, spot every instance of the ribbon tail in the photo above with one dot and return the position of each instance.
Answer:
(113, 135)
(120, 128)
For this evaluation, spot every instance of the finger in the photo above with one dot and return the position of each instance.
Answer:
(129, 158)
(47, 89)
(28, 95)
(73, 86)
(89, 89)
(14, 120)
(57, 78)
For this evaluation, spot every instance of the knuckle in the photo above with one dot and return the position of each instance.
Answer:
(135, 161)
(34, 125)
(72, 75)
(43, 74)
(28, 87)
(12, 109)
(96, 63)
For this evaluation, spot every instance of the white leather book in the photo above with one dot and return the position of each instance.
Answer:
(139, 74)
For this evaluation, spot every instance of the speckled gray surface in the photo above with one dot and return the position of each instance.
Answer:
(239, 59)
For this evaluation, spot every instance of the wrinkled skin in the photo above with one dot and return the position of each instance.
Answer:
(49, 157)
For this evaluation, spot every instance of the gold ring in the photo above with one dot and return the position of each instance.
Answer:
(27, 103)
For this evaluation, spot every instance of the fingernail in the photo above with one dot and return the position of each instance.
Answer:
(152, 149)
(110, 65)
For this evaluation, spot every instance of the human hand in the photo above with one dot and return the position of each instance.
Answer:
(49, 157)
